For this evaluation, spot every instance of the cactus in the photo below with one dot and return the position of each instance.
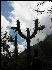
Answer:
(28, 37)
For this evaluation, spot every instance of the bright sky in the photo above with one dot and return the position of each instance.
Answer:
(25, 12)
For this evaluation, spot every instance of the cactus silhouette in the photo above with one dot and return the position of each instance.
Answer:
(28, 37)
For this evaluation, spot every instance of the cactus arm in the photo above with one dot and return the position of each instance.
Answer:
(41, 28)
(36, 29)
(21, 34)
(33, 35)
(18, 29)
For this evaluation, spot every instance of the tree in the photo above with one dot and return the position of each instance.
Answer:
(4, 45)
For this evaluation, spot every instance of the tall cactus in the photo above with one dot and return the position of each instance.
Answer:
(28, 37)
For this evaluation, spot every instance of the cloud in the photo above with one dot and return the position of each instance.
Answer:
(4, 24)
(20, 48)
(11, 48)
(25, 12)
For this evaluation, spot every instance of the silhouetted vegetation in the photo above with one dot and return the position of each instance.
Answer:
(41, 58)
(34, 57)
(28, 37)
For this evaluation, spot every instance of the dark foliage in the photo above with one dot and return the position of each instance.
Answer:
(42, 58)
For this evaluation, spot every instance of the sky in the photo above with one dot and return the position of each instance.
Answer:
(11, 11)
